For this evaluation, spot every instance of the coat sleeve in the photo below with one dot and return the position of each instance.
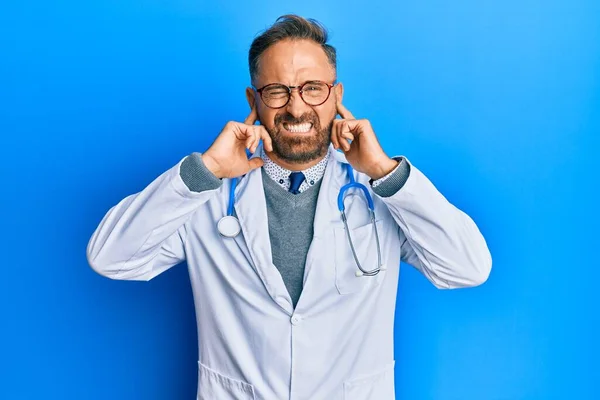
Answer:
(144, 234)
(437, 238)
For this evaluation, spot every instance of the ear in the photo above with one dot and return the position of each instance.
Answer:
(339, 92)
(250, 97)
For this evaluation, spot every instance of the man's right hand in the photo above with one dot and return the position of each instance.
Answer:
(226, 157)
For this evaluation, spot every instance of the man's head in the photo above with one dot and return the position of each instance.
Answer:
(294, 52)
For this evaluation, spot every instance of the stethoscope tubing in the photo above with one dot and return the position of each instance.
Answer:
(228, 220)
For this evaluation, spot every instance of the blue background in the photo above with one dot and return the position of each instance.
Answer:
(497, 102)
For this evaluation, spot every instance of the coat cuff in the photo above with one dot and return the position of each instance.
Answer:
(196, 176)
(394, 181)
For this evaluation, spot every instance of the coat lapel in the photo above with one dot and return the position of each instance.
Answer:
(327, 212)
(251, 210)
(319, 267)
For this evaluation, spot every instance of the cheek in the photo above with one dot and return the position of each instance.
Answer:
(266, 116)
(326, 115)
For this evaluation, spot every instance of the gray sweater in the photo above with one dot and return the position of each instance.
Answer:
(290, 216)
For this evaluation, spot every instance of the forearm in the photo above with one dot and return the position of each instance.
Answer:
(446, 244)
(127, 241)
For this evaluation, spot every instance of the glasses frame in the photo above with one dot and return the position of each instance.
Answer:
(291, 88)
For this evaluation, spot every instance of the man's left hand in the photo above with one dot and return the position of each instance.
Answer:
(363, 151)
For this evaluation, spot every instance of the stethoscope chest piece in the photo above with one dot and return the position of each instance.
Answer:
(229, 226)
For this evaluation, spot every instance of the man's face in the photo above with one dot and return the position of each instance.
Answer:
(300, 132)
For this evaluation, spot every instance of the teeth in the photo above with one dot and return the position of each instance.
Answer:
(298, 128)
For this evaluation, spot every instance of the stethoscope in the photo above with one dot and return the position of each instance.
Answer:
(229, 226)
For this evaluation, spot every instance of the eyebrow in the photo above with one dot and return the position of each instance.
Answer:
(303, 83)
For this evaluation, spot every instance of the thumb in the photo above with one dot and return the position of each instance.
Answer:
(255, 162)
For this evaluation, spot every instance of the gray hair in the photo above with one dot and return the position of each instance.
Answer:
(289, 27)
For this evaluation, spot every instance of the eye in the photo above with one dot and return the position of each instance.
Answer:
(314, 87)
(276, 91)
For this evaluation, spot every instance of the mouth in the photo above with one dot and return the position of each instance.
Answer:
(298, 128)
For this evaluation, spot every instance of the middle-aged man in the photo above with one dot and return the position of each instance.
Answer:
(300, 303)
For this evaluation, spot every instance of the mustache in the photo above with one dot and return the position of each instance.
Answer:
(290, 119)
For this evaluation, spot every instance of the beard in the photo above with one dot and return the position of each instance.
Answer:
(302, 147)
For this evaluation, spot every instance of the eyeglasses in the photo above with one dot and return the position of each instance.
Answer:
(277, 95)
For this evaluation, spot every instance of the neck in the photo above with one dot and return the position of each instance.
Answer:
(294, 166)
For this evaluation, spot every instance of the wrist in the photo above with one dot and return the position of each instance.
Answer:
(382, 168)
(211, 165)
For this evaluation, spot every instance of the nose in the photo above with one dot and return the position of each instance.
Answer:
(296, 106)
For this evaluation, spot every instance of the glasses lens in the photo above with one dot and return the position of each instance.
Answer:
(315, 93)
(275, 95)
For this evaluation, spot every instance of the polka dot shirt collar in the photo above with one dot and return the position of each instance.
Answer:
(282, 175)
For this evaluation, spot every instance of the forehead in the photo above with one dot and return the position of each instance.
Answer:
(292, 62)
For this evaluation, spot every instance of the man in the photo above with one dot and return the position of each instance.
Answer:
(300, 304)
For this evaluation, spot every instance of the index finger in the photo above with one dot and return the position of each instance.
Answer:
(343, 111)
(252, 117)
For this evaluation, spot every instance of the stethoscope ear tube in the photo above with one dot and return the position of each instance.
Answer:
(361, 271)
(353, 184)
(234, 183)
(229, 226)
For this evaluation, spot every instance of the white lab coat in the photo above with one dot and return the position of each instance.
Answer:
(338, 342)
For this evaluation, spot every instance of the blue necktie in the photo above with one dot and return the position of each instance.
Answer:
(296, 179)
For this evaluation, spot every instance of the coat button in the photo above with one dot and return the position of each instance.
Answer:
(296, 319)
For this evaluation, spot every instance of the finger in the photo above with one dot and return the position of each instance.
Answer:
(343, 111)
(252, 117)
(241, 131)
(334, 135)
(266, 138)
(346, 134)
(255, 140)
(257, 137)
(352, 129)
(255, 162)
(250, 139)
(343, 134)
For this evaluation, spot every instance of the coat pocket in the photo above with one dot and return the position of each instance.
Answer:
(215, 386)
(365, 247)
(376, 386)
